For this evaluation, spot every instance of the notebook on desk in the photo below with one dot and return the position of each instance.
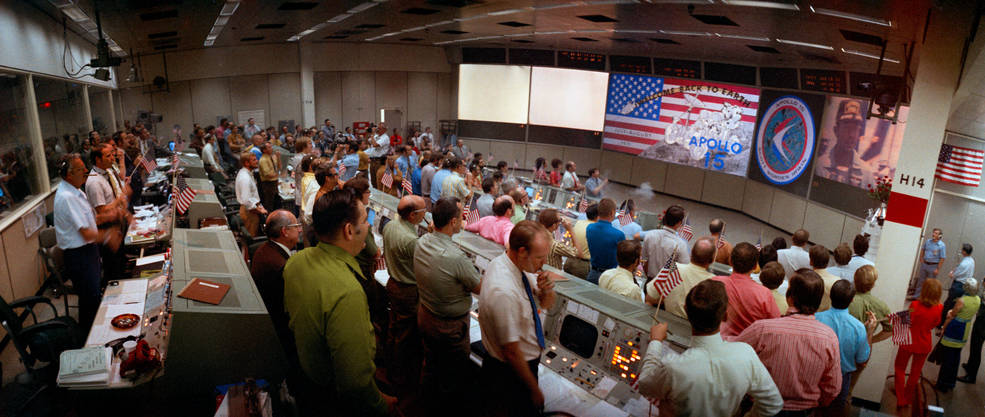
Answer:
(204, 291)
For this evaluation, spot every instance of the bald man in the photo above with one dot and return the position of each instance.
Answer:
(267, 267)
(403, 342)
(497, 227)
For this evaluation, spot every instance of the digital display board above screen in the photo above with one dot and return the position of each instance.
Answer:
(493, 93)
(687, 122)
(825, 81)
(568, 98)
(854, 150)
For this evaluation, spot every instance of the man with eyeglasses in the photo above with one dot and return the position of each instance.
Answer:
(403, 339)
(267, 267)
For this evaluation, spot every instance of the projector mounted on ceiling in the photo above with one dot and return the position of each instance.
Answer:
(103, 58)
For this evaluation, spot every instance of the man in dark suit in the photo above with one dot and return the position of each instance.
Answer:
(267, 267)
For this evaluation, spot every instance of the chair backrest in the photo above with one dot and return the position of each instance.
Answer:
(47, 237)
(13, 322)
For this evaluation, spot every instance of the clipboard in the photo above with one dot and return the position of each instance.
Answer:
(204, 291)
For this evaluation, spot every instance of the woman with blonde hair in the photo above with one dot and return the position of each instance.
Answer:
(925, 314)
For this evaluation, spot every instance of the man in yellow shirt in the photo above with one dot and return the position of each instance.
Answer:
(269, 172)
(621, 280)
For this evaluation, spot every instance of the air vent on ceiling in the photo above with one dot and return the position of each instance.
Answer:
(665, 41)
(584, 39)
(411, 39)
(763, 49)
(297, 5)
(163, 47)
(251, 39)
(419, 10)
(370, 26)
(853, 36)
(168, 41)
(351, 32)
(597, 18)
(335, 37)
(514, 24)
(271, 25)
(166, 14)
(522, 41)
(710, 19)
(454, 32)
(625, 40)
(160, 35)
(819, 58)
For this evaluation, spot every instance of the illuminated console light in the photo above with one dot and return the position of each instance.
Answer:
(553, 347)
(564, 359)
(548, 361)
(623, 375)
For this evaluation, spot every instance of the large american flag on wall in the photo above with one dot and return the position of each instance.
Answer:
(635, 120)
(960, 165)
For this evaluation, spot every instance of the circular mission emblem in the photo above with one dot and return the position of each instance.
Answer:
(785, 140)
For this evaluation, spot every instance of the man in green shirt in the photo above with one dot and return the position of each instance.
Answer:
(446, 279)
(329, 315)
(403, 343)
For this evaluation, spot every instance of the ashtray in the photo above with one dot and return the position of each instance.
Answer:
(125, 321)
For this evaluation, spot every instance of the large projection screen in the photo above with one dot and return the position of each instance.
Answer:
(568, 98)
(493, 93)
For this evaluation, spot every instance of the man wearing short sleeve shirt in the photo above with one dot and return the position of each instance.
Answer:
(570, 180)
(511, 329)
(659, 245)
(932, 255)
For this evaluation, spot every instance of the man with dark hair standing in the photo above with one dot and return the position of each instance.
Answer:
(602, 239)
(330, 316)
(446, 280)
(795, 257)
(860, 246)
(712, 377)
(514, 288)
(250, 208)
(403, 341)
(932, 255)
(660, 245)
(854, 338)
(801, 353)
(748, 301)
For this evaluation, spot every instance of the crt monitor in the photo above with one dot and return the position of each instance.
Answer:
(578, 336)
(530, 192)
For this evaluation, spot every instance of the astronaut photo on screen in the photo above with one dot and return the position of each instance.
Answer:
(853, 150)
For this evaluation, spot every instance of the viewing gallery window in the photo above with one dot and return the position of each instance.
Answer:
(102, 111)
(20, 175)
(63, 117)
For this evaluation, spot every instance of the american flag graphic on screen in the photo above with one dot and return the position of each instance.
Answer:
(640, 108)
(960, 165)
(900, 321)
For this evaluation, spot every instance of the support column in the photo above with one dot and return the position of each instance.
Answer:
(934, 87)
(112, 112)
(306, 53)
(87, 111)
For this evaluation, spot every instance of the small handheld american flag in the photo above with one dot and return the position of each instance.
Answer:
(387, 179)
(342, 169)
(380, 263)
(185, 196)
(721, 238)
(148, 161)
(759, 244)
(408, 187)
(583, 205)
(668, 278)
(625, 218)
(686, 232)
(471, 214)
(901, 327)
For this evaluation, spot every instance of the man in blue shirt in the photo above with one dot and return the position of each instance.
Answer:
(415, 178)
(932, 255)
(854, 338)
(405, 160)
(350, 162)
(439, 177)
(602, 239)
(964, 270)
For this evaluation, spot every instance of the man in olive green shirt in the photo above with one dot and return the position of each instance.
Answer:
(446, 280)
(329, 315)
(403, 343)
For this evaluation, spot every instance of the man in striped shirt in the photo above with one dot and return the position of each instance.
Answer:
(801, 353)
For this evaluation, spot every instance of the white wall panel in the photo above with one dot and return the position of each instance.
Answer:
(285, 97)
(391, 93)
(852, 227)
(328, 97)
(422, 98)
(757, 200)
(447, 97)
(723, 190)
(480, 146)
(617, 167)
(788, 211)
(824, 224)
(250, 92)
(534, 151)
(649, 172)
(210, 98)
(175, 107)
(585, 159)
(684, 181)
(358, 97)
(132, 100)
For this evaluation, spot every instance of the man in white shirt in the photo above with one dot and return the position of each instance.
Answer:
(712, 377)
(659, 245)
(252, 128)
(860, 246)
(212, 165)
(247, 195)
(841, 269)
(426, 139)
(621, 280)
(377, 153)
(795, 257)
(514, 288)
(107, 195)
(570, 180)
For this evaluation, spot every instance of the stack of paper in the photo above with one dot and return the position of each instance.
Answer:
(87, 367)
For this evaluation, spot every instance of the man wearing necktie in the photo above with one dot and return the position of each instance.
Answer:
(107, 195)
(512, 332)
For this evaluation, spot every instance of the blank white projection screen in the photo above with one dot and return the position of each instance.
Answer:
(568, 98)
(494, 93)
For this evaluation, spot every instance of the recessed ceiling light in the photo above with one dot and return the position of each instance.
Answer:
(503, 12)
(339, 18)
(852, 16)
(746, 38)
(75, 13)
(221, 20)
(684, 33)
(229, 8)
(807, 44)
(868, 55)
(766, 4)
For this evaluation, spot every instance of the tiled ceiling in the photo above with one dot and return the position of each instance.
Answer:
(711, 31)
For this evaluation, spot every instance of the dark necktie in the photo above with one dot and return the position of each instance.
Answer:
(533, 307)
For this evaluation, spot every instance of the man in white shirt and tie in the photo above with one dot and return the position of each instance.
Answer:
(795, 257)
(712, 377)
(247, 195)
(570, 180)
(108, 196)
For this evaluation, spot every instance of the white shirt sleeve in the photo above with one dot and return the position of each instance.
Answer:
(246, 191)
